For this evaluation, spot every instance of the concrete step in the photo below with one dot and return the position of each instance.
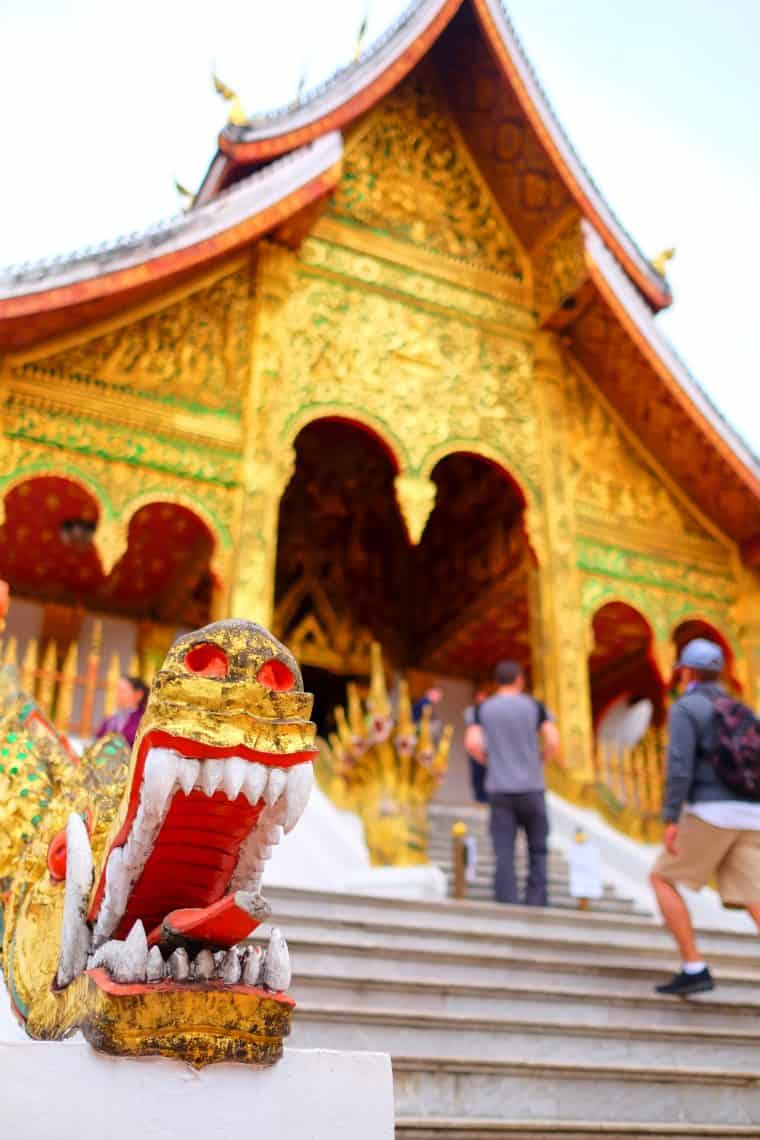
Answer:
(571, 1005)
(489, 927)
(469, 1088)
(335, 957)
(563, 901)
(492, 948)
(505, 1039)
(451, 1128)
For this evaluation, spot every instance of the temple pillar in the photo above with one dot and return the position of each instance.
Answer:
(748, 613)
(263, 488)
(268, 464)
(564, 636)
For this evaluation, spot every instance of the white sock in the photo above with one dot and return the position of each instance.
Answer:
(693, 967)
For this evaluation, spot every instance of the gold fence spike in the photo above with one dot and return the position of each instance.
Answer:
(96, 637)
(29, 667)
(134, 666)
(112, 680)
(65, 702)
(10, 652)
(48, 678)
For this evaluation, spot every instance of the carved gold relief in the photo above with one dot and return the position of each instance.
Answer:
(192, 354)
(334, 348)
(559, 269)
(611, 479)
(407, 173)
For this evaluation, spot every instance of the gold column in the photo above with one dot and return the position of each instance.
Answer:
(253, 588)
(748, 613)
(267, 462)
(553, 537)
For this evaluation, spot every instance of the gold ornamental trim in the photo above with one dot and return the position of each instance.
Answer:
(466, 278)
(132, 411)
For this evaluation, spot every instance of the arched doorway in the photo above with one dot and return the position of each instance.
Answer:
(696, 627)
(445, 610)
(627, 692)
(62, 600)
(341, 576)
(46, 544)
(472, 572)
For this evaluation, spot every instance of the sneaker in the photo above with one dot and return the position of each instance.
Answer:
(684, 985)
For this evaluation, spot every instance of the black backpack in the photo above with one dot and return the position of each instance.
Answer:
(736, 756)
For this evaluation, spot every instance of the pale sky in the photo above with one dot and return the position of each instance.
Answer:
(104, 105)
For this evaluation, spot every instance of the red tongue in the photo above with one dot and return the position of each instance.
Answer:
(222, 924)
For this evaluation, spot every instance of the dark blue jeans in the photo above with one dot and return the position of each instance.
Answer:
(526, 810)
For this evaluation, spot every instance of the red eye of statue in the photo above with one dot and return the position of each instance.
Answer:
(207, 660)
(275, 676)
(56, 857)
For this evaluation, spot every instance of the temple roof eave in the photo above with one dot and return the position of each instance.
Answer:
(615, 285)
(357, 87)
(236, 217)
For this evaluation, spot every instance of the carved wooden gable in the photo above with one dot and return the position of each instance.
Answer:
(408, 175)
(192, 354)
(613, 481)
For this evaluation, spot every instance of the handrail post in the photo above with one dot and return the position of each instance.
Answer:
(459, 858)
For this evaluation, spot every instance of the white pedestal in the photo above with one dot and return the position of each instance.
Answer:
(71, 1092)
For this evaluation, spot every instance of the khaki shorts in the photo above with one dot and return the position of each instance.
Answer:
(703, 851)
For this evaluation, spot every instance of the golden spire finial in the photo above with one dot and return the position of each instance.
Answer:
(187, 196)
(362, 33)
(236, 115)
(355, 714)
(378, 702)
(404, 722)
(660, 263)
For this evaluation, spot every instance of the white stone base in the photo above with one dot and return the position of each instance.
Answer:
(72, 1092)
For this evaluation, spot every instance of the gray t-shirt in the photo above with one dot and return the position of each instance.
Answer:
(510, 723)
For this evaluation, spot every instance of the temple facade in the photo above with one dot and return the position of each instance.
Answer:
(396, 376)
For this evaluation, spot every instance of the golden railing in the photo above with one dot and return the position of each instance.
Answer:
(627, 787)
(73, 696)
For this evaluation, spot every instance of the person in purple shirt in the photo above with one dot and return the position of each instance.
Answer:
(131, 699)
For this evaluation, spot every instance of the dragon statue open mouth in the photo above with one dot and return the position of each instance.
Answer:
(129, 912)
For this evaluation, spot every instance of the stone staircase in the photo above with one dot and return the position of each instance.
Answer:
(516, 1022)
(480, 888)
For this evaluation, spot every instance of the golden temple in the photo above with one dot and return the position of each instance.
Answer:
(395, 375)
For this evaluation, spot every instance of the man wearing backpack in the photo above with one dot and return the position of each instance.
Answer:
(711, 807)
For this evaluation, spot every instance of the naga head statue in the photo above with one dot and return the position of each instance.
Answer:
(132, 903)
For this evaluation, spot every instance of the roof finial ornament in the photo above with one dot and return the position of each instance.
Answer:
(187, 196)
(236, 115)
(300, 89)
(660, 263)
(362, 33)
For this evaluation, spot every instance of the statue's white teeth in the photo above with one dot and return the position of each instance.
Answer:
(130, 962)
(75, 933)
(300, 783)
(252, 965)
(276, 973)
(157, 968)
(125, 961)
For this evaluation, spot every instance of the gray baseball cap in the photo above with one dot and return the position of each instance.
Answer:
(701, 654)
